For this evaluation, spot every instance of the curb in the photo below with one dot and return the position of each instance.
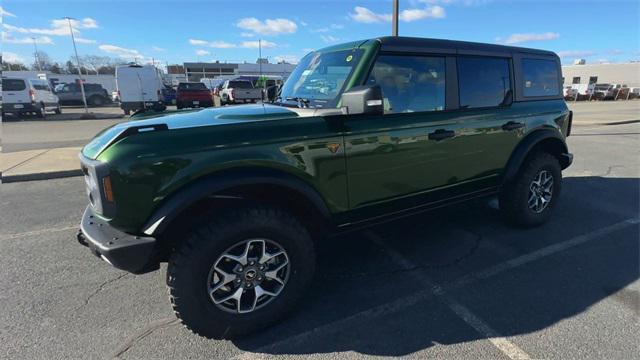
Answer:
(40, 176)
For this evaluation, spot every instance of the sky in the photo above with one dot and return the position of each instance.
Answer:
(175, 31)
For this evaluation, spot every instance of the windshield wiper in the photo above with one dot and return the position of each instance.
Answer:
(302, 102)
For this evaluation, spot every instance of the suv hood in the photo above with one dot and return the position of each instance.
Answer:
(189, 119)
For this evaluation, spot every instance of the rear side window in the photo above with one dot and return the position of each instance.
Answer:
(483, 82)
(13, 85)
(540, 77)
(410, 83)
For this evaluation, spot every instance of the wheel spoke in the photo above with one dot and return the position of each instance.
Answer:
(273, 274)
(267, 256)
(242, 259)
(226, 278)
(236, 295)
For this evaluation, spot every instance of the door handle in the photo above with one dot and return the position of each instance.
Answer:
(512, 125)
(441, 134)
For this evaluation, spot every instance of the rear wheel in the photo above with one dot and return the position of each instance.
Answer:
(58, 110)
(531, 197)
(241, 272)
(127, 111)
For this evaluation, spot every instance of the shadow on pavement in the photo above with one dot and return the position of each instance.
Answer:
(355, 275)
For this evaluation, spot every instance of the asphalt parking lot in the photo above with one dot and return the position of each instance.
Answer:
(456, 283)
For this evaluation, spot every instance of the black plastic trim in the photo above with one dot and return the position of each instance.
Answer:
(123, 251)
(209, 185)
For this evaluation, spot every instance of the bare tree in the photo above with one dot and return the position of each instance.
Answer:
(41, 61)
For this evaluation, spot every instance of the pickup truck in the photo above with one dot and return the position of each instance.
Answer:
(236, 199)
(239, 91)
(193, 95)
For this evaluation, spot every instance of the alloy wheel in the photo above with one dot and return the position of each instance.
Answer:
(248, 276)
(540, 191)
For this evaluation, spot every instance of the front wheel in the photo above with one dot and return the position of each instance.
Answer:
(241, 272)
(531, 197)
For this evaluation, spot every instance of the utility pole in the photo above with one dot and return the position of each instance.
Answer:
(394, 23)
(73, 39)
(35, 54)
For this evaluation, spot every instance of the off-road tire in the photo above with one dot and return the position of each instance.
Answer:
(190, 264)
(514, 196)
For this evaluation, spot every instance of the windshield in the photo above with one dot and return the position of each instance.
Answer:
(320, 77)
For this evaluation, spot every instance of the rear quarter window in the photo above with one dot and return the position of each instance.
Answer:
(540, 77)
(13, 85)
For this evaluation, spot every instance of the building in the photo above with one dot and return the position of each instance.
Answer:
(622, 73)
(198, 70)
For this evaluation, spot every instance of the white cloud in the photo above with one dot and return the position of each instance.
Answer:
(80, 40)
(575, 53)
(9, 57)
(328, 28)
(329, 38)
(197, 42)
(527, 37)
(221, 45)
(157, 48)
(59, 27)
(303, 23)
(218, 44)
(4, 13)
(268, 27)
(364, 15)
(201, 52)
(291, 59)
(435, 12)
(41, 40)
(124, 53)
(254, 44)
(247, 34)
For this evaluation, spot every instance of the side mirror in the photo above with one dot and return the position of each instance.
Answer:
(366, 99)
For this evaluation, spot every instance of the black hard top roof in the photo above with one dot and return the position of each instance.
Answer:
(408, 44)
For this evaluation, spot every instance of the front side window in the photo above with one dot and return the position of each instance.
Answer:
(483, 82)
(541, 77)
(319, 78)
(410, 83)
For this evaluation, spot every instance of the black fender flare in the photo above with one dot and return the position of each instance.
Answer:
(526, 145)
(211, 184)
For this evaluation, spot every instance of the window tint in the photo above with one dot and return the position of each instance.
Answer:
(39, 85)
(191, 86)
(483, 82)
(410, 83)
(240, 84)
(13, 85)
(541, 77)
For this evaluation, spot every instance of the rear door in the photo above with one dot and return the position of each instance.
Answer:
(15, 91)
(401, 156)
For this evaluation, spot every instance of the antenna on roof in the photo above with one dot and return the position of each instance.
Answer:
(394, 22)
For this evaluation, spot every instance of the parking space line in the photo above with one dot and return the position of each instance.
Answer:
(507, 347)
(37, 232)
(432, 290)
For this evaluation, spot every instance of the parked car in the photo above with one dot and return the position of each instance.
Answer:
(71, 94)
(193, 95)
(569, 93)
(169, 94)
(236, 199)
(139, 87)
(239, 91)
(28, 96)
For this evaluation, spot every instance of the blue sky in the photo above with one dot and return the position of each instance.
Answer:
(178, 31)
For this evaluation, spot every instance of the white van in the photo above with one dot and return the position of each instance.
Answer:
(28, 96)
(139, 87)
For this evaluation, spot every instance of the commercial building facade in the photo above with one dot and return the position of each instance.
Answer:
(618, 73)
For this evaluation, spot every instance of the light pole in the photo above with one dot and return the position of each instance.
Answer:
(35, 54)
(73, 39)
(394, 24)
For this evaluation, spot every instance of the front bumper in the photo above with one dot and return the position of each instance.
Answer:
(126, 252)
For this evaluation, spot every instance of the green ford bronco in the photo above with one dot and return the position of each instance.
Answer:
(234, 199)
